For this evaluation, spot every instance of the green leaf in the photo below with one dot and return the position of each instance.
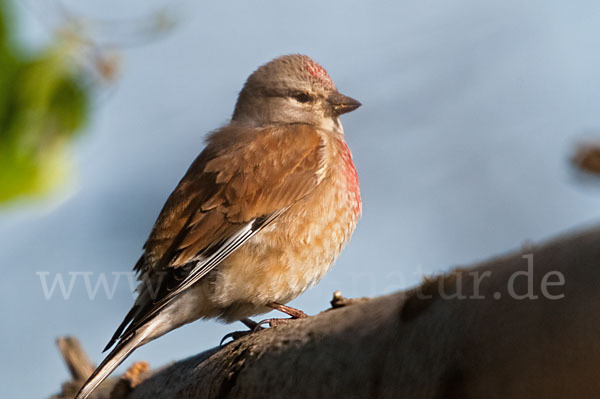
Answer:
(43, 104)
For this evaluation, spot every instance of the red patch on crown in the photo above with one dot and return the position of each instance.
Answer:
(318, 72)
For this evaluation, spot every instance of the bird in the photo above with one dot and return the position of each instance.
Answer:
(260, 216)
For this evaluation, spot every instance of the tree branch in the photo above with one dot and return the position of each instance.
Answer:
(469, 334)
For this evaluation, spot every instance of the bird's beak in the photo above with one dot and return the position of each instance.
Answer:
(342, 104)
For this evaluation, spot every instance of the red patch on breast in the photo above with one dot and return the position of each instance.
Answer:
(351, 176)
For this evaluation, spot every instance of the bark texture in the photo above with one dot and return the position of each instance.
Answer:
(460, 335)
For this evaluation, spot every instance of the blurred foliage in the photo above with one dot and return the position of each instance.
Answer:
(45, 96)
(44, 103)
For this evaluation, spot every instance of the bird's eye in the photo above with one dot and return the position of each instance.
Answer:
(302, 97)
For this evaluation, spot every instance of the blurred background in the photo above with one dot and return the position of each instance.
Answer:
(472, 111)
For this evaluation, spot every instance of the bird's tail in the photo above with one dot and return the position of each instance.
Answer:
(113, 360)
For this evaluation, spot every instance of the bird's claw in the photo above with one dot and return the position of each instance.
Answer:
(275, 322)
(235, 335)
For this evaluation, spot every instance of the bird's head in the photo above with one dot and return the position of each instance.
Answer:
(292, 89)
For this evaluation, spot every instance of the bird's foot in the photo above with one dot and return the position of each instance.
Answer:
(255, 327)
(235, 335)
(274, 322)
(295, 313)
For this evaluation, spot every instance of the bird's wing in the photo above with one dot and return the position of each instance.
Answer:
(242, 181)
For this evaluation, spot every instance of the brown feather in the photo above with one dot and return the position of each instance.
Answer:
(241, 175)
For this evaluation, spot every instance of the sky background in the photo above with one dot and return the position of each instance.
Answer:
(471, 111)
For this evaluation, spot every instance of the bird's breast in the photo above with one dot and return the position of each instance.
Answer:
(298, 248)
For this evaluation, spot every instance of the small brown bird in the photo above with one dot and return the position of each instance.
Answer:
(260, 215)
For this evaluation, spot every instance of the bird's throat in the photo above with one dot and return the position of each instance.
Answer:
(332, 124)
